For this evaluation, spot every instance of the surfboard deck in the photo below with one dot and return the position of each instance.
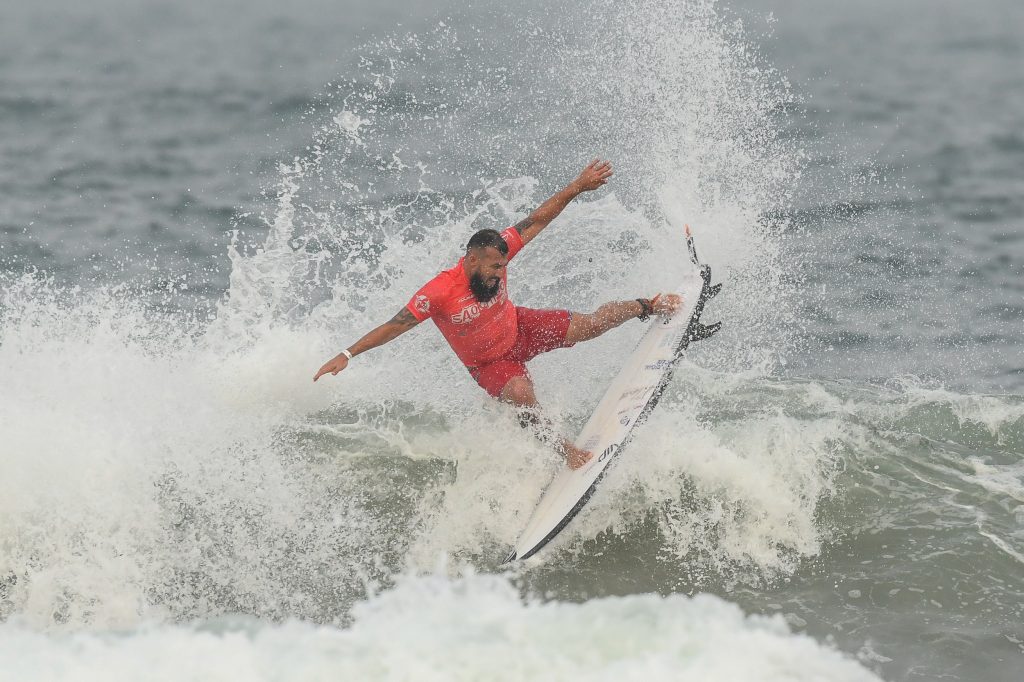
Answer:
(625, 405)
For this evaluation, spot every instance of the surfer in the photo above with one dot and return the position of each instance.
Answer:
(494, 338)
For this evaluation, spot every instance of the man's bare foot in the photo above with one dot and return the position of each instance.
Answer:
(575, 457)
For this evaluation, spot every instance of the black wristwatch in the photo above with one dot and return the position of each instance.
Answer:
(646, 309)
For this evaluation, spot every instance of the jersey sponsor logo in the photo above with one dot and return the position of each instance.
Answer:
(467, 314)
(660, 364)
(472, 311)
(422, 303)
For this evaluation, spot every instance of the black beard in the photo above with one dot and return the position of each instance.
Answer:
(481, 291)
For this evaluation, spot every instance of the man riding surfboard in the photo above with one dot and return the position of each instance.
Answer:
(494, 338)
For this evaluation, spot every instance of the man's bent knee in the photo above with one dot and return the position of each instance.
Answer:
(519, 391)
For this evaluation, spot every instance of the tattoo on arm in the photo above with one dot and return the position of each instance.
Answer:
(404, 318)
(522, 225)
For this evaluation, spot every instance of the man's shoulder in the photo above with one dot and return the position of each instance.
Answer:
(448, 281)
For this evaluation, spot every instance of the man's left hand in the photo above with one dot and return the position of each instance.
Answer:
(666, 304)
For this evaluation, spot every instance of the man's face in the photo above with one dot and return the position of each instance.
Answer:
(486, 268)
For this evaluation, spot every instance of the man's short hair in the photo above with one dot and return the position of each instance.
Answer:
(486, 238)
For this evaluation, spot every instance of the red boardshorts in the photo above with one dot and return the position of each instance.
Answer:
(539, 331)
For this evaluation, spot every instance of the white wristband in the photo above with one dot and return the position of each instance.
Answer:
(347, 354)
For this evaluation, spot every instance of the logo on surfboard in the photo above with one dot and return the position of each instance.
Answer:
(608, 452)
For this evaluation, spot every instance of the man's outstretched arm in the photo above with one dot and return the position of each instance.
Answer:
(390, 330)
(590, 178)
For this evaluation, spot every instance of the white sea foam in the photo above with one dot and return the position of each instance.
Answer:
(993, 412)
(350, 123)
(1004, 480)
(436, 628)
(166, 469)
(136, 455)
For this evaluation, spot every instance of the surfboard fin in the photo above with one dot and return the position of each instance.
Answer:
(699, 332)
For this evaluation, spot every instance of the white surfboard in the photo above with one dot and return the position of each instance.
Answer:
(625, 405)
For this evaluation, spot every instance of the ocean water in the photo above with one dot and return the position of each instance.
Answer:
(204, 201)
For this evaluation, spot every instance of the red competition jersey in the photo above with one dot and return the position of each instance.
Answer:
(478, 332)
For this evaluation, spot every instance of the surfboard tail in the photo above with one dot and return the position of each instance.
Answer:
(708, 291)
(698, 331)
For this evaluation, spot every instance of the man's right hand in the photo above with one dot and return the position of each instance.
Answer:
(333, 366)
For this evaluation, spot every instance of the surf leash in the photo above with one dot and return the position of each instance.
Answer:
(698, 331)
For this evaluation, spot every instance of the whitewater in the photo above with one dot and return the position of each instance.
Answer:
(832, 488)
